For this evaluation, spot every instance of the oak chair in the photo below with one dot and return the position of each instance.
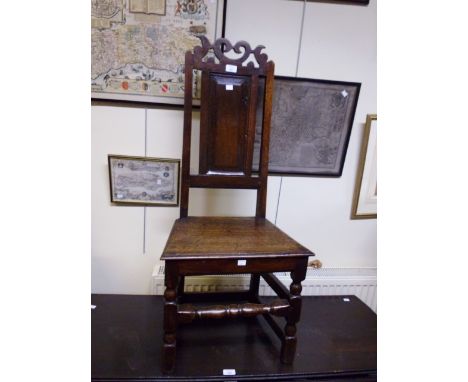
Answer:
(230, 90)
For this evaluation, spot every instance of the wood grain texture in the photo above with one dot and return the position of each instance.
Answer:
(228, 237)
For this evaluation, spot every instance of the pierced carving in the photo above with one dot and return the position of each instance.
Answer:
(222, 46)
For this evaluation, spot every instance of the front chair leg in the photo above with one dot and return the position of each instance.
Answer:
(170, 318)
(288, 347)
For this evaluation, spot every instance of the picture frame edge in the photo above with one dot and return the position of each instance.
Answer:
(353, 110)
(360, 170)
(113, 202)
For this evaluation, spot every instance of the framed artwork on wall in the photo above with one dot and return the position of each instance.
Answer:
(144, 180)
(138, 46)
(365, 192)
(310, 126)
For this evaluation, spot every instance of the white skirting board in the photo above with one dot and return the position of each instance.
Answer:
(361, 282)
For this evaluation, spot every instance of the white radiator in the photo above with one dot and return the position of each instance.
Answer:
(361, 282)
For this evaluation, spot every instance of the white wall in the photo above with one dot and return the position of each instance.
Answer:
(331, 41)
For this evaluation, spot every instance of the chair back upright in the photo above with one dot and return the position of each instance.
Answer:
(231, 89)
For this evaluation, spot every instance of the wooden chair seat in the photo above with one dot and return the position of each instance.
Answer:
(228, 238)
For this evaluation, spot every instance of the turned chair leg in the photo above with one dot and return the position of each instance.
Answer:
(288, 346)
(170, 318)
(254, 286)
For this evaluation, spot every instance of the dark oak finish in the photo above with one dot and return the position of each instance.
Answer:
(288, 348)
(220, 181)
(187, 313)
(220, 245)
(228, 107)
(254, 287)
(228, 237)
(337, 342)
(220, 266)
(224, 127)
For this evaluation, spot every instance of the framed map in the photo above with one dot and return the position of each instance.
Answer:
(143, 180)
(310, 126)
(138, 46)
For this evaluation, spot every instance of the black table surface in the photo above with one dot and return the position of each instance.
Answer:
(337, 339)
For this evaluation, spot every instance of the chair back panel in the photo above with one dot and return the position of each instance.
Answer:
(228, 106)
(224, 129)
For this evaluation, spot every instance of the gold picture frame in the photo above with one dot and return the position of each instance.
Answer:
(365, 191)
(144, 181)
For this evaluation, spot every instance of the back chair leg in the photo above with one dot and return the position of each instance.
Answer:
(254, 286)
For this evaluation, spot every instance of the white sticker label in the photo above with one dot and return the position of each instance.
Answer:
(346, 299)
(344, 93)
(159, 181)
(241, 263)
(231, 68)
(229, 371)
(230, 87)
(119, 196)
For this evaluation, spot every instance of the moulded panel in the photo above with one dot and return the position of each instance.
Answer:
(225, 129)
(276, 24)
(116, 236)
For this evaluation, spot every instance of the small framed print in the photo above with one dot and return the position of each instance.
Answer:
(144, 181)
(365, 192)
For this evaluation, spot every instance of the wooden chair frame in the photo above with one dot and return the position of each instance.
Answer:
(266, 68)
(220, 170)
